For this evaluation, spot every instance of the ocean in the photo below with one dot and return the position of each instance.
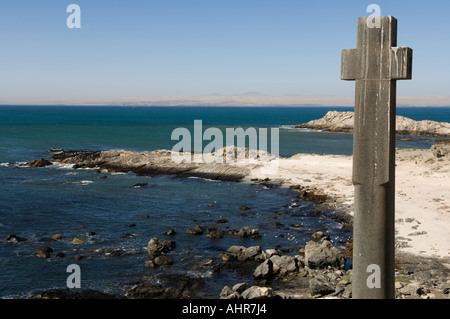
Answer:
(116, 220)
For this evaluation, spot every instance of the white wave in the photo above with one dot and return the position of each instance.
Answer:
(60, 165)
(4, 164)
(118, 173)
(83, 182)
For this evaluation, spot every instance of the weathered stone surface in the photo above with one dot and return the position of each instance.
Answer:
(264, 270)
(39, 163)
(256, 292)
(375, 65)
(284, 264)
(335, 121)
(323, 254)
(156, 246)
(250, 253)
(321, 285)
(151, 163)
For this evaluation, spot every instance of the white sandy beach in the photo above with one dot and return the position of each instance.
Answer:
(422, 193)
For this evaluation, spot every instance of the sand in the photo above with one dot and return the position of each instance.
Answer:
(422, 194)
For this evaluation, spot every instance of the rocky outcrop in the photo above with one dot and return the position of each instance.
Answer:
(157, 162)
(335, 121)
(39, 163)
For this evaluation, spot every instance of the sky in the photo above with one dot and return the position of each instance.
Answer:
(204, 47)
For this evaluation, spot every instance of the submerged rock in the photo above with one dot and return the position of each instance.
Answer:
(197, 230)
(11, 238)
(43, 252)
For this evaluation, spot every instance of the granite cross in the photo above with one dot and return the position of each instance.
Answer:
(375, 65)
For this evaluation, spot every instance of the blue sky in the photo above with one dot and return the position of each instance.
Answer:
(200, 47)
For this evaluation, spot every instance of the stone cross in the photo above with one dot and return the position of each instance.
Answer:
(375, 65)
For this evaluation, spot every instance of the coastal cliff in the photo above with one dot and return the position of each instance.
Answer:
(335, 121)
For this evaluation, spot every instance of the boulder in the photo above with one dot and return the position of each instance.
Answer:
(155, 246)
(319, 255)
(241, 287)
(43, 252)
(284, 264)
(320, 285)
(264, 270)
(250, 253)
(256, 292)
(248, 232)
(441, 150)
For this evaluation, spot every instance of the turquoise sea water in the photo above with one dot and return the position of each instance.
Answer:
(36, 203)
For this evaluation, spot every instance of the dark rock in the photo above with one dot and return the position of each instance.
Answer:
(163, 260)
(89, 234)
(145, 291)
(197, 230)
(60, 255)
(214, 233)
(243, 207)
(248, 232)
(72, 294)
(157, 246)
(149, 264)
(264, 271)
(127, 235)
(39, 163)
(241, 287)
(222, 221)
(14, 238)
(43, 252)
(228, 293)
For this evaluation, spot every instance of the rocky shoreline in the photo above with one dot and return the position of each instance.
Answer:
(335, 121)
(317, 270)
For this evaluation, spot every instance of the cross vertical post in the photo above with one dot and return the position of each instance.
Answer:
(375, 66)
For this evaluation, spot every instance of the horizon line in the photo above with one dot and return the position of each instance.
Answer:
(239, 100)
